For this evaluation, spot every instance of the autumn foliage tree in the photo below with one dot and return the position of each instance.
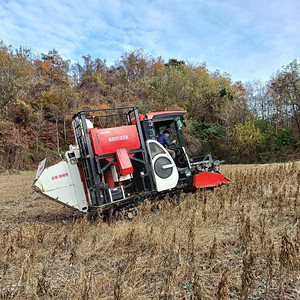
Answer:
(15, 72)
(285, 90)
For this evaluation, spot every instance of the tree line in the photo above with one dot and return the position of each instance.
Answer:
(239, 122)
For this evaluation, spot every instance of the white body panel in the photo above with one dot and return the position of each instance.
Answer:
(40, 168)
(158, 153)
(62, 183)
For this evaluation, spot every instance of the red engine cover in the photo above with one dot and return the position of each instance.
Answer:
(108, 140)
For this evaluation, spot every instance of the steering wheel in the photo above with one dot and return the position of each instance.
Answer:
(174, 146)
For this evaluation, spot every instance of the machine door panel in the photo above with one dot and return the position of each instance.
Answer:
(163, 167)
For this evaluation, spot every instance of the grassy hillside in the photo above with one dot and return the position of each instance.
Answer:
(240, 241)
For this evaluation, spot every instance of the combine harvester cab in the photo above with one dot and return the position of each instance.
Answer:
(117, 162)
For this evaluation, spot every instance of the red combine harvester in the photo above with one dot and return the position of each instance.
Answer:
(118, 162)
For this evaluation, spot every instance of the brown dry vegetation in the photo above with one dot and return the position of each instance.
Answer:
(239, 242)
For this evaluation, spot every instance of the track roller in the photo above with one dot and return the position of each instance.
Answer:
(131, 213)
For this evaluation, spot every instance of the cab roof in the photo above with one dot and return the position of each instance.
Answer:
(161, 114)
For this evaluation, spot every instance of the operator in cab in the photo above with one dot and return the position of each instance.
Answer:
(163, 139)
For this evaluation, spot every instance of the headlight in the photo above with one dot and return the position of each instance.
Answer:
(199, 167)
(208, 165)
(217, 165)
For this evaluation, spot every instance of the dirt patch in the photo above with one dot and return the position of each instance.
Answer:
(20, 203)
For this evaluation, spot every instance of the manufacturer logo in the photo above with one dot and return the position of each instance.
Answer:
(118, 138)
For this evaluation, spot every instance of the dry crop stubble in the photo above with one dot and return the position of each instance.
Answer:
(239, 241)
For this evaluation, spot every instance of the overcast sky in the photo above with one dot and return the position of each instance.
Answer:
(249, 39)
